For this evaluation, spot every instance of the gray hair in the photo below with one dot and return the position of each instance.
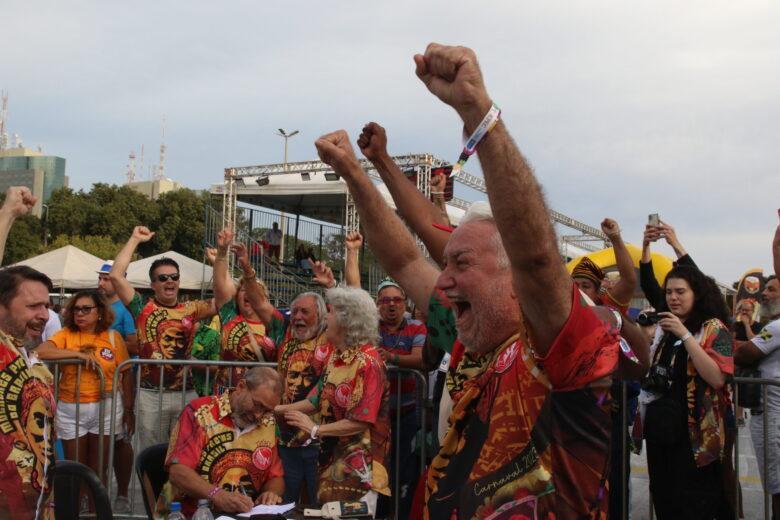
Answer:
(319, 303)
(481, 211)
(257, 376)
(356, 311)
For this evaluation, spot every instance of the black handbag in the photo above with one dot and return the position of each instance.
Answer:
(748, 394)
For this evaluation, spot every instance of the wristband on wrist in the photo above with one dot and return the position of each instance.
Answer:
(250, 274)
(487, 124)
(437, 193)
(312, 435)
(212, 493)
(686, 336)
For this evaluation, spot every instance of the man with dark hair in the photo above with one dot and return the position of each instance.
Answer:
(165, 330)
(223, 448)
(26, 401)
(764, 349)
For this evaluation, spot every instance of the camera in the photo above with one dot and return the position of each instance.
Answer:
(659, 380)
(648, 318)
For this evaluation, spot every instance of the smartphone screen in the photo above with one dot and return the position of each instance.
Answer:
(653, 219)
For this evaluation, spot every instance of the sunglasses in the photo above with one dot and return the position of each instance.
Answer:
(164, 277)
(85, 309)
(386, 301)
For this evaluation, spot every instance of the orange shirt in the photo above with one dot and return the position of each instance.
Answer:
(109, 356)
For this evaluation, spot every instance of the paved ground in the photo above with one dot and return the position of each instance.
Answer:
(752, 493)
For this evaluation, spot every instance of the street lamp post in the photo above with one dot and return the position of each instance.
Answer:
(286, 137)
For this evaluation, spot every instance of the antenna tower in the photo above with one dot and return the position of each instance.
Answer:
(161, 167)
(4, 121)
(131, 168)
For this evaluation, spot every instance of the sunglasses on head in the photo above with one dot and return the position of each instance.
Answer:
(385, 301)
(164, 277)
(84, 309)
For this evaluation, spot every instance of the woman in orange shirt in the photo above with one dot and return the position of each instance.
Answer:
(86, 335)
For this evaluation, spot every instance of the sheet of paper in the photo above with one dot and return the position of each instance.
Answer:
(268, 510)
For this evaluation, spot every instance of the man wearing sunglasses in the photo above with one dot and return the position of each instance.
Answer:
(165, 329)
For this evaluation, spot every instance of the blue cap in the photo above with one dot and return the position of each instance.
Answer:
(106, 269)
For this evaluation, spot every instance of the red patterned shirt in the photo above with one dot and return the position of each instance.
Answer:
(26, 434)
(354, 387)
(530, 436)
(165, 333)
(242, 340)
(206, 440)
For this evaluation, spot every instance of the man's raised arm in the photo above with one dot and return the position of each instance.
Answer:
(224, 288)
(354, 240)
(542, 284)
(18, 202)
(412, 205)
(776, 251)
(391, 243)
(122, 287)
(623, 291)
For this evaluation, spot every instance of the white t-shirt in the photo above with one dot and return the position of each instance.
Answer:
(274, 236)
(768, 342)
(52, 326)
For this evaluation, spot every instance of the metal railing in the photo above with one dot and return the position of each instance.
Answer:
(101, 403)
(194, 364)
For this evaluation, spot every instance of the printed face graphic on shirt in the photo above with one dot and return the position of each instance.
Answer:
(300, 379)
(173, 343)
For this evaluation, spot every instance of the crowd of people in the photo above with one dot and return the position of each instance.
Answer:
(528, 397)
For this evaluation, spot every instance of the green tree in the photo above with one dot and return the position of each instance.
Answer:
(24, 240)
(99, 245)
(180, 225)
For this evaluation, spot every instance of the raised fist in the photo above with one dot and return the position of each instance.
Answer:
(452, 74)
(335, 150)
(18, 201)
(354, 240)
(373, 142)
(225, 236)
(610, 227)
(142, 233)
(438, 183)
(211, 255)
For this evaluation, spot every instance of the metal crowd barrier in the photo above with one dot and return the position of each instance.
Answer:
(101, 406)
(423, 402)
(765, 384)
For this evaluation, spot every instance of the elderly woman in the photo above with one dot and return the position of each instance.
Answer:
(352, 400)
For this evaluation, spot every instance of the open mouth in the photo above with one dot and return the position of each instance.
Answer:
(462, 311)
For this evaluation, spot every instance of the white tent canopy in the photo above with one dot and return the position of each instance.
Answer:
(194, 275)
(68, 267)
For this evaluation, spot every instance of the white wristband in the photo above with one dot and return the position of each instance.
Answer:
(686, 336)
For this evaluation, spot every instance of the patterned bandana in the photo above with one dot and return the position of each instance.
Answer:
(587, 269)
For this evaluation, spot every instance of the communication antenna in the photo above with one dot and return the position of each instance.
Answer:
(131, 168)
(141, 166)
(4, 121)
(161, 167)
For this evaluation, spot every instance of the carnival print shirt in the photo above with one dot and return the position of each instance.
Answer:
(26, 433)
(354, 387)
(409, 335)
(206, 440)
(530, 436)
(242, 340)
(300, 365)
(165, 333)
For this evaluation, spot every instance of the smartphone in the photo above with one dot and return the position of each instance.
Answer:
(653, 219)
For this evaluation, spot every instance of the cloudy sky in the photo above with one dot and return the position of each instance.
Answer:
(623, 108)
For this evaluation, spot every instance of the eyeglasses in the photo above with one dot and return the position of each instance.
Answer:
(164, 277)
(85, 309)
(386, 301)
